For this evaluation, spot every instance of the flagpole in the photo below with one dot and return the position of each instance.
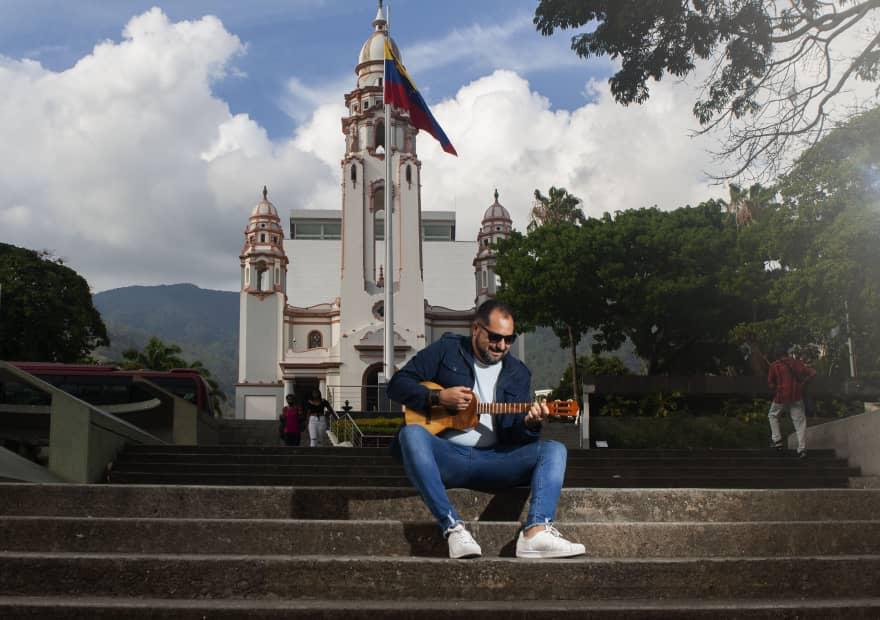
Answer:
(388, 366)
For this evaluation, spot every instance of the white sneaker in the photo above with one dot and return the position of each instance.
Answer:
(547, 544)
(461, 543)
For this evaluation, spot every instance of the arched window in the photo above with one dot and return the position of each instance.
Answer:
(316, 340)
(380, 135)
(262, 237)
(354, 174)
(409, 174)
(262, 280)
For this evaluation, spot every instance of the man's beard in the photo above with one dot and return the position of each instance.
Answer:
(486, 359)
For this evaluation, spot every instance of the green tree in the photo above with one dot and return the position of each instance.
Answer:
(557, 207)
(46, 311)
(589, 365)
(158, 355)
(776, 68)
(661, 272)
(822, 242)
(548, 276)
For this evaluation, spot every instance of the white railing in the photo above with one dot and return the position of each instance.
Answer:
(365, 398)
(346, 429)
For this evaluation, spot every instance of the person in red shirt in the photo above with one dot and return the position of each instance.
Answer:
(290, 423)
(787, 377)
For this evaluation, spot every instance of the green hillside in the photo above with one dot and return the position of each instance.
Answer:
(204, 323)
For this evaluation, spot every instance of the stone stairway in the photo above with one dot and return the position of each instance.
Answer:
(301, 467)
(370, 550)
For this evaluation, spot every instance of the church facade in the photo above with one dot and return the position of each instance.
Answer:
(311, 312)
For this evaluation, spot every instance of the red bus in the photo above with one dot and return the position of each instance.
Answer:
(110, 385)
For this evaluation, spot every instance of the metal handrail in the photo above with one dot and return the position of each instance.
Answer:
(346, 429)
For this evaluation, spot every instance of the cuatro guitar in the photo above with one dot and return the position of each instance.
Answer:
(439, 418)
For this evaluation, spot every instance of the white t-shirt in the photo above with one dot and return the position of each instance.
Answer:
(483, 436)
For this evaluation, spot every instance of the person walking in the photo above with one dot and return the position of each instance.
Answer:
(317, 411)
(787, 377)
(290, 422)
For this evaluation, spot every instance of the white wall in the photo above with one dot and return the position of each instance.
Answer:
(313, 272)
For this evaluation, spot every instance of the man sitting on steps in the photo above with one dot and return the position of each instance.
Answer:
(501, 452)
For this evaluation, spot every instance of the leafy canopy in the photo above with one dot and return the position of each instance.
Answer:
(46, 311)
(775, 68)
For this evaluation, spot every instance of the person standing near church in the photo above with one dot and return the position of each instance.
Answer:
(317, 410)
(501, 452)
(290, 422)
(786, 378)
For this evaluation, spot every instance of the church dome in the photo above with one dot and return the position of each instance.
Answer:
(496, 211)
(374, 48)
(264, 207)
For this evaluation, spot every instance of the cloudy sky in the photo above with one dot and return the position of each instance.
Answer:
(136, 138)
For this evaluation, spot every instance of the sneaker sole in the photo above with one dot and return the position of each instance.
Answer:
(466, 556)
(539, 555)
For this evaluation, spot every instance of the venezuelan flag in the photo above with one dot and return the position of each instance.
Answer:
(401, 92)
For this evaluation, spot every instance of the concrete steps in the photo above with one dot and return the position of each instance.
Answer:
(109, 608)
(422, 538)
(358, 578)
(370, 549)
(304, 467)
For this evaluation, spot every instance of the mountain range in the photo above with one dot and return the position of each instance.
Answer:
(204, 324)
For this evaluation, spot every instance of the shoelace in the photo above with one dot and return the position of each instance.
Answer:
(553, 531)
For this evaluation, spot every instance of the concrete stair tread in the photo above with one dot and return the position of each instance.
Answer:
(388, 538)
(780, 481)
(379, 605)
(378, 560)
(378, 522)
(346, 502)
(502, 579)
(384, 451)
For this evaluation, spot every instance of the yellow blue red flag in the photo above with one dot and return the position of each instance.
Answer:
(401, 92)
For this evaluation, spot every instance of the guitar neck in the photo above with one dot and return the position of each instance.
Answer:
(502, 408)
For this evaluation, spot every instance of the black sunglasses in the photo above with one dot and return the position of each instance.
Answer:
(493, 337)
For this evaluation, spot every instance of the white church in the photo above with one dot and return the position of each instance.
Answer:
(311, 305)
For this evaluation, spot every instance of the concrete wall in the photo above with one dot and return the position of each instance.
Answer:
(856, 438)
(82, 438)
(18, 469)
(189, 426)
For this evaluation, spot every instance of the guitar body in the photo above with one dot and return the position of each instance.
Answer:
(439, 418)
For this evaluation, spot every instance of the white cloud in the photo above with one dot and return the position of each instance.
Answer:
(129, 167)
(132, 170)
(301, 99)
(612, 157)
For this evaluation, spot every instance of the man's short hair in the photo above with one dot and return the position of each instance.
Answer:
(488, 307)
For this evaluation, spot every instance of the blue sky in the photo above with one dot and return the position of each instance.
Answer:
(136, 136)
(315, 41)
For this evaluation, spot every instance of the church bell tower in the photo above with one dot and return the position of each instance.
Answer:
(364, 276)
(261, 314)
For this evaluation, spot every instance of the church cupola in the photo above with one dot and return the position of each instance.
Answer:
(263, 261)
(364, 126)
(497, 224)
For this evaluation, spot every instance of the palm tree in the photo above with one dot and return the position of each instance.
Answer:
(559, 206)
(157, 355)
(748, 206)
(217, 394)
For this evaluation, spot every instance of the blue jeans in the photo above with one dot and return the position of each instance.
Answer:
(434, 465)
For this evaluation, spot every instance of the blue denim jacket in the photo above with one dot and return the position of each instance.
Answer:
(450, 363)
